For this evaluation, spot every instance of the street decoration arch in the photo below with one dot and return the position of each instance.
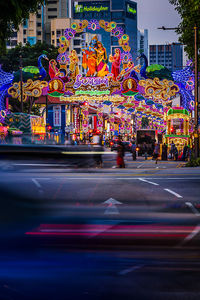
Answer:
(143, 91)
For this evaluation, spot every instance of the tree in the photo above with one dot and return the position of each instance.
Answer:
(189, 10)
(12, 14)
(30, 54)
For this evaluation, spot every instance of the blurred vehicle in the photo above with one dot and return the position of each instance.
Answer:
(114, 145)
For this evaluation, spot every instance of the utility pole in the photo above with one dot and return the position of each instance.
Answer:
(196, 113)
(21, 81)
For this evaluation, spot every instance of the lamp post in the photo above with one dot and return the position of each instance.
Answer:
(196, 113)
(21, 81)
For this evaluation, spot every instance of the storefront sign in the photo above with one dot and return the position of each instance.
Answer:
(131, 10)
(79, 8)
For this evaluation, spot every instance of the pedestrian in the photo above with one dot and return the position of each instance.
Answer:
(97, 144)
(164, 152)
(156, 152)
(185, 152)
(133, 150)
(172, 150)
(176, 153)
(120, 154)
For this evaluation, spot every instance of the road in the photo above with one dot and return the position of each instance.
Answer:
(100, 233)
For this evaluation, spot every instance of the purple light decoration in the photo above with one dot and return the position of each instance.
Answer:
(126, 57)
(118, 32)
(92, 81)
(69, 33)
(93, 25)
(63, 58)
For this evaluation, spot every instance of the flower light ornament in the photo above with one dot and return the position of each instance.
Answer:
(69, 33)
(63, 58)
(118, 32)
(93, 25)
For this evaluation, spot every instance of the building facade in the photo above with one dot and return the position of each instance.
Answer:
(143, 42)
(123, 12)
(170, 56)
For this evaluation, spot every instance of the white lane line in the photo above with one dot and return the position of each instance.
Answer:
(140, 166)
(38, 185)
(126, 271)
(173, 193)
(193, 209)
(174, 178)
(196, 229)
(144, 180)
(191, 235)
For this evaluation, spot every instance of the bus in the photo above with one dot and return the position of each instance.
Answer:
(145, 140)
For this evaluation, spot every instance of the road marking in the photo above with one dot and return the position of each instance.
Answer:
(140, 166)
(173, 193)
(144, 180)
(190, 236)
(112, 208)
(35, 181)
(193, 209)
(126, 271)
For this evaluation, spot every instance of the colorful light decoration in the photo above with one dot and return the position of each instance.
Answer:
(69, 33)
(85, 121)
(30, 89)
(100, 117)
(93, 25)
(157, 89)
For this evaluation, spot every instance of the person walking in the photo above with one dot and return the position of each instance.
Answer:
(164, 152)
(185, 152)
(133, 150)
(120, 154)
(172, 150)
(176, 153)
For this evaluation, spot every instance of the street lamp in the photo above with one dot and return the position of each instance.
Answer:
(196, 114)
(21, 81)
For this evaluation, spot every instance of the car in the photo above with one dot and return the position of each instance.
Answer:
(114, 145)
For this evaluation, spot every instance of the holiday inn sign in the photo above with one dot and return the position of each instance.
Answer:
(79, 8)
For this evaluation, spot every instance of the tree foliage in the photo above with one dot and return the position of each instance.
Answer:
(10, 62)
(189, 10)
(12, 14)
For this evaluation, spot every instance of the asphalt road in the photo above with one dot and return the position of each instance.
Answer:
(100, 233)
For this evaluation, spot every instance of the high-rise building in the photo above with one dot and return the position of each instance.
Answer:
(123, 12)
(170, 56)
(143, 43)
(38, 26)
(52, 10)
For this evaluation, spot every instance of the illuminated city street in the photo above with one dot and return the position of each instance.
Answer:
(99, 150)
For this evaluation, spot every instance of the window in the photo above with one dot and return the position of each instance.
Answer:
(53, 32)
(39, 24)
(78, 50)
(76, 42)
(24, 31)
(52, 2)
(58, 32)
(38, 16)
(24, 41)
(39, 33)
(52, 9)
(52, 17)
(57, 116)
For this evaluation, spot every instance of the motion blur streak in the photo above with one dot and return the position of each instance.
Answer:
(117, 230)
